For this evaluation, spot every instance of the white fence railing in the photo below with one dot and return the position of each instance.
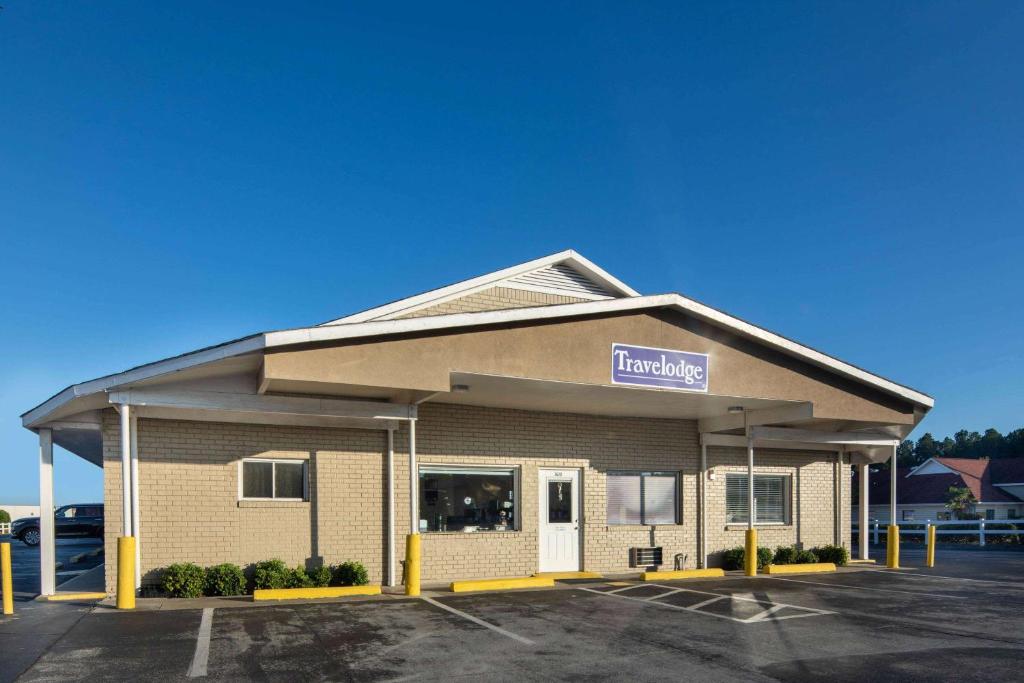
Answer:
(5, 528)
(964, 527)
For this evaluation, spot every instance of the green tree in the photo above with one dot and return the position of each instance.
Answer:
(926, 447)
(991, 444)
(960, 501)
(905, 456)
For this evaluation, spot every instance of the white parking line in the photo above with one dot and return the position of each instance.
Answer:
(481, 622)
(768, 612)
(898, 572)
(707, 602)
(765, 615)
(845, 586)
(202, 654)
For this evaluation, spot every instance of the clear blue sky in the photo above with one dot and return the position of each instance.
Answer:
(178, 174)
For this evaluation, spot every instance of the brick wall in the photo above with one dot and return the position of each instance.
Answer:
(494, 299)
(812, 513)
(190, 509)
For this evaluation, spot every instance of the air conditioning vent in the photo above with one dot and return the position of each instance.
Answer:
(645, 557)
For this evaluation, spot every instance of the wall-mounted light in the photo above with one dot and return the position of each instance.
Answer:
(460, 388)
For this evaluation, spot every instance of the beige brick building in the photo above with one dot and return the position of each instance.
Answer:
(541, 418)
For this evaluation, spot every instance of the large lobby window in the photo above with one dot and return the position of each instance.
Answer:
(467, 499)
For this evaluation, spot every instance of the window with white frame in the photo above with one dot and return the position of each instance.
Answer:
(771, 499)
(468, 499)
(908, 515)
(274, 480)
(643, 498)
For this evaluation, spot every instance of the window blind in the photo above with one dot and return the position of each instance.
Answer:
(624, 499)
(769, 499)
(659, 498)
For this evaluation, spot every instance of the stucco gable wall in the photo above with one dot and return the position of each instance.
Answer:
(580, 351)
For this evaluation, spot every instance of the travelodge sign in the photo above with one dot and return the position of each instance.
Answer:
(665, 368)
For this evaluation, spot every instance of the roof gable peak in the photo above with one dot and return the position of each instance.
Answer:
(565, 273)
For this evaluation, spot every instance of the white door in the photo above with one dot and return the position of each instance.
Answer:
(559, 520)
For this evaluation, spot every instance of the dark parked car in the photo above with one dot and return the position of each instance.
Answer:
(70, 520)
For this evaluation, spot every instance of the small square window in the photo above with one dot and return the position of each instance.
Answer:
(908, 515)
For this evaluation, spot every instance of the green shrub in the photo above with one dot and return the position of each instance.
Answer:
(838, 555)
(184, 580)
(804, 557)
(321, 576)
(225, 579)
(298, 578)
(5, 517)
(784, 554)
(733, 557)
(271, 574)
(351, 574)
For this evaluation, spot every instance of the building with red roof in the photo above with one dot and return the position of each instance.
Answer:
(997, 485)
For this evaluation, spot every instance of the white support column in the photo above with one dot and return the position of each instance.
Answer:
(892, 488)
(702, 547)
(750, 482)
(414, 480)
(864, 472)
(126, 470)
(136, 522)
(837, 498)
(47, 534)
(391, 508)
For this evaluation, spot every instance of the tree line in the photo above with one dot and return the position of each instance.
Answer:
(963, 444)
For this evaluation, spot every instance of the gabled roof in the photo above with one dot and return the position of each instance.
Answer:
(930, 489)
(1006, 471)
(376, 322)
(566, 273)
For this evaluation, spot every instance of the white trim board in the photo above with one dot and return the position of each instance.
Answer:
(496, 279)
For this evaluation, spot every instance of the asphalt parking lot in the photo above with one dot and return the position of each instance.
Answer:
(75, 556)
(961, 621)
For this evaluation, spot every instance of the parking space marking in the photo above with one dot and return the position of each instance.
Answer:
(763, 616)
(707, 602)
(898, 572)
(481, 622)
(768, 612)
(629, 587)
(202, 654)
(845, 586)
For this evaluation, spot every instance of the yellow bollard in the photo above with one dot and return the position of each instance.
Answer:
(412, 564)
(892, 548)
(750, 553)
(930, 552)
(5, 571)
(126, 572)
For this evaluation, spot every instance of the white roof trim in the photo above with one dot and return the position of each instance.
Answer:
(161, 367)
(932, 460)
(476, 284)
(327, 333)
